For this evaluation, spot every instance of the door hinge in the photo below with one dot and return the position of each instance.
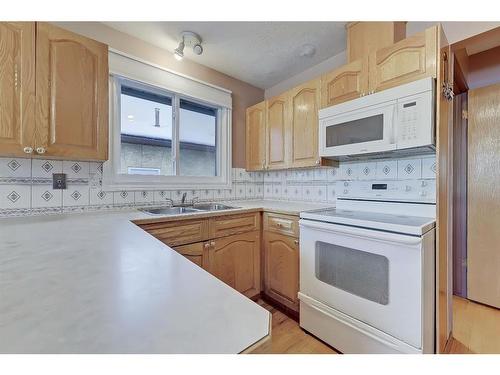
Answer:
(465, 114)
(448, 91)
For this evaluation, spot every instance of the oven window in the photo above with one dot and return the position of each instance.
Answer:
(357, 272)
(357, 131)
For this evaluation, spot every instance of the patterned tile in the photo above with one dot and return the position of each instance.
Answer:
(240, 191)
(429, 167)
(15, 167)
(161, 196)
(321, 174)
(276, 192)
(259, 190)
(295, 192)
(45, 196)
(319, 193)
(76, 195)
(367, 171)
(268, 191)
(333, 174)
(206, 195)
(230, 193)
(409, 169)
(100, 197)
(15, 196)
(76, 169)
(143, 196)
(219, 194)
(45, 168)
(331, 195)
(123, 197)
(349, 171)
(387, 170)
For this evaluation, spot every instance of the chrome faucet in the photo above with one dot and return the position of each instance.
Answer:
(183, 199)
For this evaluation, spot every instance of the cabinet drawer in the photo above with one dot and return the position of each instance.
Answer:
(179, 232)
(284, 224)
(227, 225)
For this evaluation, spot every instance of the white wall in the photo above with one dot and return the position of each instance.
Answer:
(454, 31)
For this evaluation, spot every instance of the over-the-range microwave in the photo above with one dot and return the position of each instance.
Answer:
(395, 121)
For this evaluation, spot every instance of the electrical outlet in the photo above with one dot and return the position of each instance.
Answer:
(59, 181)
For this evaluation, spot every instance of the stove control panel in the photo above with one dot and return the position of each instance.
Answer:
(404, 190)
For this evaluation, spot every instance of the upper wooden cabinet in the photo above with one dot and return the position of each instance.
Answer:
(276, 132)
(72, 94)
(345, 83)
(53, 93)
(366, 37)
(256, 137)
(408, 60)
(17, 87)
(304, 106)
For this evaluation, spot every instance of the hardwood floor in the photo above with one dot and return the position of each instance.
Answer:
(476, 328)
(288, 338)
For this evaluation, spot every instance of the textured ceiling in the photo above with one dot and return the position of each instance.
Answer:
(260, 53)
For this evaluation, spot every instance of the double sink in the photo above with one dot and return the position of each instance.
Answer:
(179, 210)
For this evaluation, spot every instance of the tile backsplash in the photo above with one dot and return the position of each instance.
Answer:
(26, 185)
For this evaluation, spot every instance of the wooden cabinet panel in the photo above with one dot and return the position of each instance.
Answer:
(366, 37)
(304, 105)
(256, 137)
(196, 253)
(227, 225)
(408, 60)
(276, 132)
(17, 87)
(72, 94)
(179, 232)
(235, 260)
(284, 224)
(345, 83)
(281, 258)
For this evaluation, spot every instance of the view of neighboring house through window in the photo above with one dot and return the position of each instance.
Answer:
(148, 144)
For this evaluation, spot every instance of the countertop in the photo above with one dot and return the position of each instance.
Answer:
(97, 283)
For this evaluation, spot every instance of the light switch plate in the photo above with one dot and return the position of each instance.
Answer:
(59, 181)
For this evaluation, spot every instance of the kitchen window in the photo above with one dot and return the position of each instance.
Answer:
(162, 138)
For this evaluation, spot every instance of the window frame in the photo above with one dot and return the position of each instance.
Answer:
(114, 180)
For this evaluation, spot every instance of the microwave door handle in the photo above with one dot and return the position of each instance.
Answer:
(366, 234)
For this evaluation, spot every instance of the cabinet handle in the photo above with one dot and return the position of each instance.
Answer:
(318, 162)
(212, 243)
(28, 150)
(40, 150)
(296, 242)
(15, 77)
(206, 246)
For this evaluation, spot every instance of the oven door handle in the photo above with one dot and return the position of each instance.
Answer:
(366, 233)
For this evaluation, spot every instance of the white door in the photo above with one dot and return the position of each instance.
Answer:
(372, 276)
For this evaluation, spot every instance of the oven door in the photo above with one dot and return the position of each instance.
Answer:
(372, 276)
(358, 132)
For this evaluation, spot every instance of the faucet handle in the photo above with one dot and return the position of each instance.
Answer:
(170, 201)
(195, 200)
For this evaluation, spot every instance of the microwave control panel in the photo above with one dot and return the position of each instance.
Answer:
(415, 120)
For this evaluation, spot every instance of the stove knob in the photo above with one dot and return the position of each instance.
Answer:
(407, 188)
(346, 183)
(423, 193)
(423, 184)
(346, 191)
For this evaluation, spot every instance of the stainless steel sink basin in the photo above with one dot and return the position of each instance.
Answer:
(212, 206)
(172, 210)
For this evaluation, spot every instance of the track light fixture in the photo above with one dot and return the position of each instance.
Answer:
(190, 39)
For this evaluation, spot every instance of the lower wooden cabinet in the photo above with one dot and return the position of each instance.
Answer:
(235, 260)
(196, 253)
(281, 278)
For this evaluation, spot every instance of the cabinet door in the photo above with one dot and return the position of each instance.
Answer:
(408, 60)
(276, 132)
(71, 94)
(17, 87)
(236, 261)
(282, 268)
(256, 137)
(195, 252)
(304, 104)
(345, 83)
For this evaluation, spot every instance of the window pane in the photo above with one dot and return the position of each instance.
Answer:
(146, 132)
(197, 133)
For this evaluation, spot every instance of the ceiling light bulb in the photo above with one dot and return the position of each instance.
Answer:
(179, 51)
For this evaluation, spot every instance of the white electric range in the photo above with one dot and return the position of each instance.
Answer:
(367, 270)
